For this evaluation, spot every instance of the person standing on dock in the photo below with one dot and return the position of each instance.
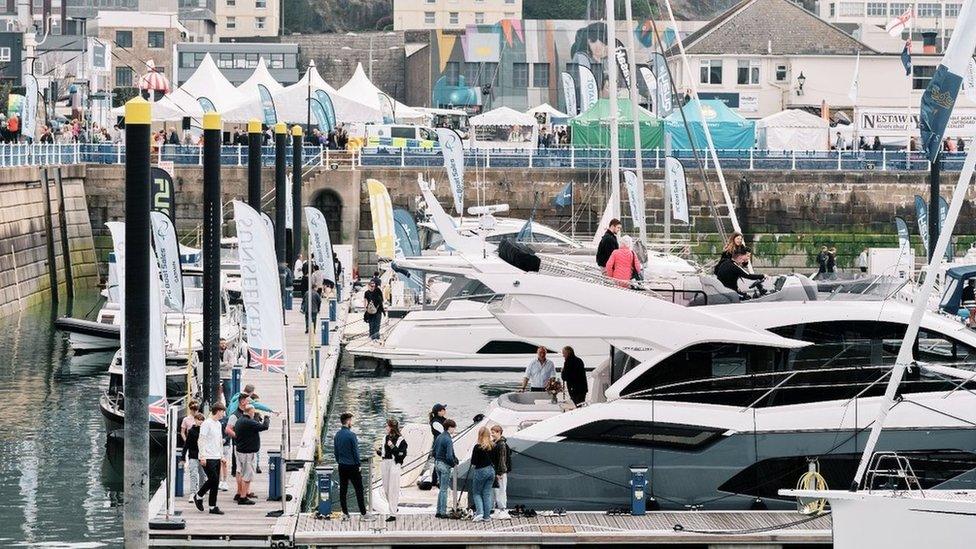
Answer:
(608, 243)
(538, 372)
(211, 455)
(483, 456)
(392, 454)
(313, 300)
(248, 444)
(191, 453)
(346, 447)
(574, 375)
(374, 309)
(822, 260)
(503, 464)
(444, 463)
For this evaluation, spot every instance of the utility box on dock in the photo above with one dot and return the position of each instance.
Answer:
(638, 489)
(323, 480)
(275, 470)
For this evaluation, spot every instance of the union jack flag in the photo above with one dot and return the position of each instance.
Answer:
(269, 360)
(157, 408)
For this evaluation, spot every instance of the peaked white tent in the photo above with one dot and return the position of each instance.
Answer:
(504, 127)
(209, 83)
(360, 87)
(793, 129)
(171, 108)
(291, 103)
(261, 76)
(551, 114)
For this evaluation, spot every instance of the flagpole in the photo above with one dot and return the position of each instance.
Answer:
(634, 107)
(611, 68)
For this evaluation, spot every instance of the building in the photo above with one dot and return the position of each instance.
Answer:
(200, 19)
(238, 60)
(11, 55)
(138, 38)
(452, 14)
(242, 19)
(935, 16)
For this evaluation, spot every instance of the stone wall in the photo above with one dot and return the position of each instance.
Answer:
(337, 64)
(25, 231)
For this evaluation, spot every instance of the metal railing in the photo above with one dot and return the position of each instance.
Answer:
(22, 154)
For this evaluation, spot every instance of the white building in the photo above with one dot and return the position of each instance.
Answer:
(938, 16)
(452, 14)
(248, 18)
(764, 56)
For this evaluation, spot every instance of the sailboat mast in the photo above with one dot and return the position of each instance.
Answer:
(632, 91)
(708, 134)
(611, 67)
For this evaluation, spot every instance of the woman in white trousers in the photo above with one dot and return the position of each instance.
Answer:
(393, 452)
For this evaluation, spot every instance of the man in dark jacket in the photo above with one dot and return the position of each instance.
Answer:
(574, 375)
(444, 461)
(312, 298)
(248, 442)
(346, 447)
(729, 271)
(608, 243)
(374, 308)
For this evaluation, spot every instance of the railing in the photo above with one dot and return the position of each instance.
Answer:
(20, 154)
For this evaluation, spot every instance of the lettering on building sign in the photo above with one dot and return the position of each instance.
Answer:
(884, 122)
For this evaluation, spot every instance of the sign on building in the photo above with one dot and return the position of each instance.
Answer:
(894, 122)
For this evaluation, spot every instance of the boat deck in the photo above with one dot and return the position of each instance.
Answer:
(703, 527)
(262, 525)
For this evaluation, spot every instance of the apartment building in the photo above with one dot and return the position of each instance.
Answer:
(452, 14)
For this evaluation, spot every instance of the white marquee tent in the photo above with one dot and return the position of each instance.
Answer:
(552, 115)
(360, 87)
(504, 127)
(261, 76)
(209, 84)
(793, 129)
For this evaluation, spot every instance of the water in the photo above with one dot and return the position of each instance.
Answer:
(373, 396)
(58, 484)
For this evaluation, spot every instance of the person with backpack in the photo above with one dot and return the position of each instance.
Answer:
(503, 464)
(374, 309)
(393, 452)
(623, 264)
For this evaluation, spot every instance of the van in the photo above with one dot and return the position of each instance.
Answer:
(399, 136)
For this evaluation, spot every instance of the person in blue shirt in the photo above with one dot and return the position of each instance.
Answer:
(444, 462)
(347, 457)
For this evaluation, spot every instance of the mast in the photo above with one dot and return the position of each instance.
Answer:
(708, 134)
(634, 107)
(611, 67)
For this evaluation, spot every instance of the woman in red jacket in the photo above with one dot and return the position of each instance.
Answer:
(623, 263)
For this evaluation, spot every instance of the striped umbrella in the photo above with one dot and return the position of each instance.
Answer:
(153, 83)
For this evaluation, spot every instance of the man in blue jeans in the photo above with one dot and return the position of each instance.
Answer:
(444, 462)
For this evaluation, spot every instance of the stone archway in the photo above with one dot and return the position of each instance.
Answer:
(329, 203)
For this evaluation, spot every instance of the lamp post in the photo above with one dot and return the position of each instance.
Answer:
(800, 80)
(369, 71)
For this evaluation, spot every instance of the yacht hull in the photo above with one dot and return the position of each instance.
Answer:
(88, 335)
(115, 421)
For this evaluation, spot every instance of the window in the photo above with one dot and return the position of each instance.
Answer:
(260, 4)
(508, 348)
(260, 22)
(540, 75)
(921, 75)
(290, 60)
(780, 73)
(231, 22)
(852, 9)
(123, 76)
(479, 18)
(406, 132)
(5, 55)
(471, 71)
(509, 15)
(431, 1)
(877, 9)
(644, 433)
(952, 10)
(509, 1)
(898, 8)
(929, 10)
(428, 18)
(453, 18)
(489, 71)
(453, 71)
(157, 39)
(123, 39)
(277, 61)
(225, 60)
(520, 75)
(833, 9)
(711, 71)
(231, 3)
(748, 73)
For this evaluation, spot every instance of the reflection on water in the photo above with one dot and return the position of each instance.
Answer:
(56, 487)
(372, 396)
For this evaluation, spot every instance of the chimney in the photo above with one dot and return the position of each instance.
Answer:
(928, 42)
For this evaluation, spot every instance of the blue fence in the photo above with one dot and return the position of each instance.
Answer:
(111, 153)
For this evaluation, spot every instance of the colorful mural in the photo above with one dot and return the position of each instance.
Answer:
(518, 63)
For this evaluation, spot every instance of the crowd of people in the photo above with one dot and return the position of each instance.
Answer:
(316, 289)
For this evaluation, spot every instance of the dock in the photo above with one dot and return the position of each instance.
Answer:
(268, 523)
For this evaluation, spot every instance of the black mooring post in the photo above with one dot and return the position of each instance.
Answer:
(296, 193)
(281, 199)
(935, 221)
(135, 521)
(212, 221)
(255, 139)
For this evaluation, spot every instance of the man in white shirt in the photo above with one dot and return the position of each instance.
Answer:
(299, 263)
(211, 454)
(538, 372)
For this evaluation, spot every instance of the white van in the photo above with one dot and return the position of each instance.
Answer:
(399, 135)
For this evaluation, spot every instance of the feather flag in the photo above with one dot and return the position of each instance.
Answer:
(589, 91)
(569, 93)
(319, 241)
(381, 209)
(452, 149)
(565, 196)
(940, 95)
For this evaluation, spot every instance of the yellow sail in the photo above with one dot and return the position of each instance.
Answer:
(382, 211)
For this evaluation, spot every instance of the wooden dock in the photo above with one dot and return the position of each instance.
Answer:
(257, 525)
(686, 527)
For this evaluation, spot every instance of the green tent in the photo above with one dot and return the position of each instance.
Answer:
(591, 129)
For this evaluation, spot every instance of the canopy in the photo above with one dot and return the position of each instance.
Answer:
(549, 114)
(592, 128)
(208, 83)
(363, 89)
(291, 103)
(792, 130)
(504, 127)
(261, 76)
(956, 280)
(728, 129)
(153, 80)
(171, 108)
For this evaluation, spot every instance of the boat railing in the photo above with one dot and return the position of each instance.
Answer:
(895, 473)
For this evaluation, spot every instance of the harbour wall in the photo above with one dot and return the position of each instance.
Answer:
(786, 215)
(31, 235)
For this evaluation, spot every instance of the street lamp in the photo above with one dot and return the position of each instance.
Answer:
(800, 80)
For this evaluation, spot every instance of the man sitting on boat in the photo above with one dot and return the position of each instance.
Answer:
(730, 271)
